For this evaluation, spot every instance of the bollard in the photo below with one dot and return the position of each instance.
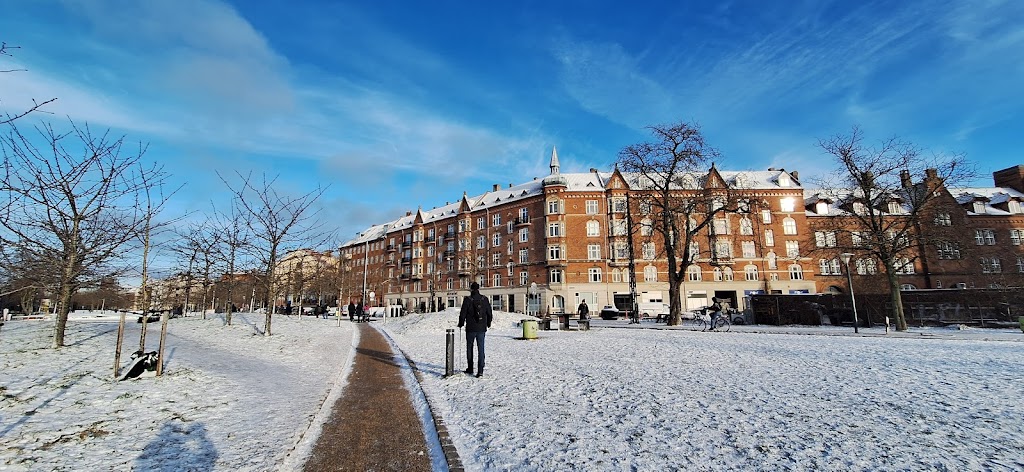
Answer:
(449, 357)
(886, 325)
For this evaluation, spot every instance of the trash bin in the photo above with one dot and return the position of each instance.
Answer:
(529, 329)
(563, 320)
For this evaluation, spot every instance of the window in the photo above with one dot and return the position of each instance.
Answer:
(821, 207)
(524, 256)
(618, 227)
(769, 237)
(766, 216)
(508, 227)
(496, 220)
(748, 250)
(593, 252)
(554, 252)
(496, 240)
(646, 227)
(746, 227)
(727, 274)
(942, 219)
(866, 266)
(497, 280)
(594, 275)
(449, 283)
(430, 251)
(787, 204)
(650, 274)
(773, 261)
(481, 242)
(617, 204)
(1013, 206)
(593, 228)
(695, 249)
(554, 207)
(750, 273)
(509, 268)
(830, 267)
(903, 266)
(948, 250)
(645, 208)
(979, 207)
(524, 235)
(991, 265)
(481, 223)
(620, 250)
(796, 272)
(825, 238)
(1020, 264)
(496, 260)
(508, 247)
(983, 237)
(616, 276)
(524, 215)
(792, 249)
(555, 230)
(693, 273)
(859, 238)
(788, 226)
(524, 278)
(1016, 235)
(895, 208)
(591, 207)
(556, 276)
(723, 249)
(720, 226)
(648, 251)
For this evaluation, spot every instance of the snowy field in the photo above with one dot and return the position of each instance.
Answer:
(756, 398)
(645, 399)
(229, 399)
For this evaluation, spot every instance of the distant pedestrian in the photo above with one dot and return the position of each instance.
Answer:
(716, 311)
(583, 310)
(351, 311)
(476, 316)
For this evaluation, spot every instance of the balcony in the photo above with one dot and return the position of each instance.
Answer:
(429, 239)
(404, 276)
(618, 262)
(557, 263)
(407, 245)
(390, 263)
(416, 276)
(391, 248)
(406, 260)
(521, 221)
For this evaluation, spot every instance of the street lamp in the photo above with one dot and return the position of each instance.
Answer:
(849, 280)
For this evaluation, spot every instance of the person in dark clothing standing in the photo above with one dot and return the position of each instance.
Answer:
(583, 310)
(351, 311)
(476, 316)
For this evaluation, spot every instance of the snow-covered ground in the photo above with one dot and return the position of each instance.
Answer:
(229, 399)
(762, 398)
(750, 399)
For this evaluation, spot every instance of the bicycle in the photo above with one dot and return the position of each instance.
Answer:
(702, 320)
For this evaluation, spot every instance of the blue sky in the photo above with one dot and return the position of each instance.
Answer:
(396, 104)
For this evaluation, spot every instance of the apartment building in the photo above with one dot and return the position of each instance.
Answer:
(545, 245)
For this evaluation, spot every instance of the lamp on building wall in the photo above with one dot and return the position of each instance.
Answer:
(849, 280)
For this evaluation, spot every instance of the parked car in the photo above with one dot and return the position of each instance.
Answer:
(609, 312)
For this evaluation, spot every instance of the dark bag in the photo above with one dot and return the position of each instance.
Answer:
(474, 303)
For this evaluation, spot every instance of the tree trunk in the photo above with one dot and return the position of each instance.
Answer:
(675, 304)
(897, 302)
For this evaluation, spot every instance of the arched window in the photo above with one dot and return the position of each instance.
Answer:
(750, 273)
(796, 272)
(693, 273)
(789, 226)
(718, 274)
(727, 274)
(746, 227)
(557, 304)
(650, 274)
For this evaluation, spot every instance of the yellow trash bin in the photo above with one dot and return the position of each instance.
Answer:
(529, 329)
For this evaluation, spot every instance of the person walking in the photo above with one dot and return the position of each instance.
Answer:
(351, 310)
(476, 316)
(583, 310)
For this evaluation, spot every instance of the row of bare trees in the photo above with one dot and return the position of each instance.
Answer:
(671, 173)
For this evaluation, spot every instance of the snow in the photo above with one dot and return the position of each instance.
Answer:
(229, 399)
(753, 398)
(612, 398)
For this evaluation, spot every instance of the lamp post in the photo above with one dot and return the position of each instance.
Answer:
(849, 280)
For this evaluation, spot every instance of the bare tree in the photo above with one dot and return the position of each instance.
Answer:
(887, 217)
(668, 178)
(75, 202)
(232, 228)
(36, 105)
(276, 221)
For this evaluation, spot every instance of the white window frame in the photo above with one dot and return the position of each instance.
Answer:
(591, 207)
(593, 252)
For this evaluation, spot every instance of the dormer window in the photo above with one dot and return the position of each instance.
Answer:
(895, 208)
(858, 208)
(821, 208)
(979, 207)
(784, 180)
(1013, 206)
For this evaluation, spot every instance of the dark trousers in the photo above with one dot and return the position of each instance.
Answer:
(477, 337)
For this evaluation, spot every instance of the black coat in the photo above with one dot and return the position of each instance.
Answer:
(466, 314)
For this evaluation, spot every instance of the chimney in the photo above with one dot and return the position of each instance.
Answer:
(1012, 177)
(931, 174)
(495, 188)
(593, 170)
(905, 179)
(408, 213)
(796, 175)
(509, 185)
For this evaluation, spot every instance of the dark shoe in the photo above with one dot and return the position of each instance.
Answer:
(479, 374)
(469, 370)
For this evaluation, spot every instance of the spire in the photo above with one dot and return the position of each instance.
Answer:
(554, 161)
